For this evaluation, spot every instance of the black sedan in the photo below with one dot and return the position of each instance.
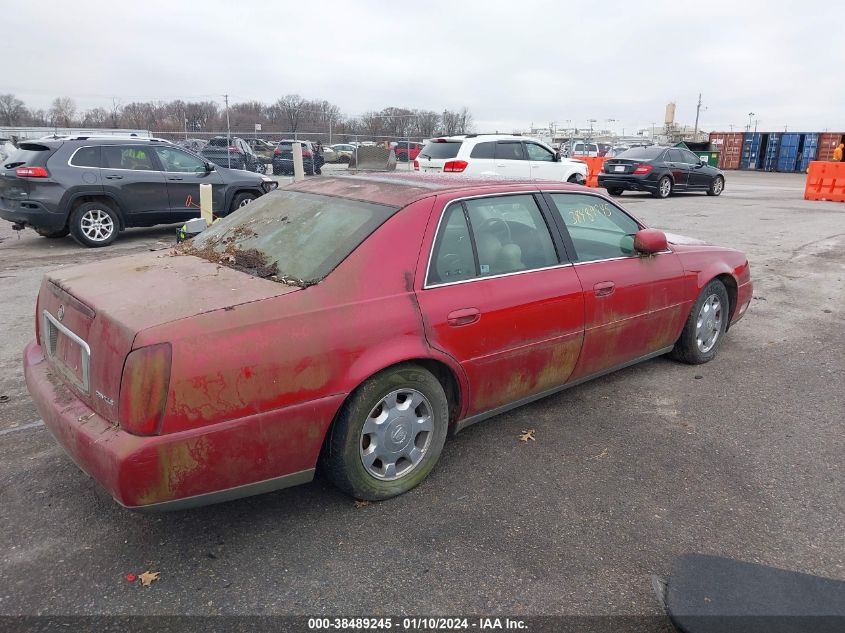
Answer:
(660, 171)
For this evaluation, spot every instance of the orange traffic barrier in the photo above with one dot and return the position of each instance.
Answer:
(594, 165)
(825, 181)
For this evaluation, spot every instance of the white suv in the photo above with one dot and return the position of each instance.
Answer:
(498, 155)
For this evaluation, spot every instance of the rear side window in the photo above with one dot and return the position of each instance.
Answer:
(219, 142)
(674, 156)
(441, 149)
(453, 258)
(86, 157)
(123, 157)
(484, 150)
(509, 151)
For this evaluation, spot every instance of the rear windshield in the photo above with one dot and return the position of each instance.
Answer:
(219, 142)
(28, 154)
(290, 237)
(642, 153)
(441, 149)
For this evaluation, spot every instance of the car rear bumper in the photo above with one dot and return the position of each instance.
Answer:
(628, 182)
(238, 458)
(31, 213)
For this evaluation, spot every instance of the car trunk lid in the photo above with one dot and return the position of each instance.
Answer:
(12, 186)
(88, 318)
(621, 165)
(434, 156)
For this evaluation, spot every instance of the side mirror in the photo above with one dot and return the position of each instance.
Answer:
(209, 167)
(650, 241)
(557, 156)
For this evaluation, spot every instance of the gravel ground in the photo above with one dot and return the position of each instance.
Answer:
(741, 457)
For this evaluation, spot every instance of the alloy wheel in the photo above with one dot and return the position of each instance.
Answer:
(97, 225)
(708, 325)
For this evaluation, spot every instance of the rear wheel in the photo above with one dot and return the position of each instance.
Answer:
(577, 179)
(664, 188)
(716, 187)
(705, 326)
(94, 224)
(389, 434)
(241, 200)
(615, 191)
(52, 234)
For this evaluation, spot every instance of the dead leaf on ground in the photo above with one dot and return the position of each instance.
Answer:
(86, 417)
(148, 577)
(361, 503)
(600, 455)
(527, 434)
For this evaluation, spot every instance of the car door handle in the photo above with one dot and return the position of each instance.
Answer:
(175, 178)
(114, 177)
(604, 288)
(464, 316)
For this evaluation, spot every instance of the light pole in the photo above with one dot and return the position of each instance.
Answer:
(591, 121)
(750, 115)
(609, 121)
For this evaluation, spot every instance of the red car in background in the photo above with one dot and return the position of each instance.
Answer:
(407, 150)
(353, 322)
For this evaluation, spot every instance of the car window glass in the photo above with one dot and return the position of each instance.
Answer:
(510, 234)
(122, 157)
(86, 157)
(536, 152)
(441, 149)
(178, 161)
(599, 230)
(452, 259)
(691, 158)
(483, 150)
(509, 151)
(674, 156)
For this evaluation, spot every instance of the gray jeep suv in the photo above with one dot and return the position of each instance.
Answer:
(95, 187)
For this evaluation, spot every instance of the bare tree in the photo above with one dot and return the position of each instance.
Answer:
(12, 110)
(291, 109)
(426, 123)
(62, 111)
(95, 117)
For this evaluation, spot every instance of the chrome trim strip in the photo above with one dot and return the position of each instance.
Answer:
(86, 350)
(110, 168)
(479, 417)
(516, 272)
(229, 494)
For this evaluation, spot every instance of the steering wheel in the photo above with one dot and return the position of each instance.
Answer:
(498, 227)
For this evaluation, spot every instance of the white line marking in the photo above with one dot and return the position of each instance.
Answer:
(23, 427)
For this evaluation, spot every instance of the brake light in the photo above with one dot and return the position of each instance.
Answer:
(277, 152)
(455, 166)
(143, 389)
(417, 165)
(440, 140)
(31, 172)
(235, 149)
(306, 153)
(642, 169)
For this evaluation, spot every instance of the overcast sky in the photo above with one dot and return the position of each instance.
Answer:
(510, 62)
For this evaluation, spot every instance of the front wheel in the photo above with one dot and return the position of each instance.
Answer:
(241, 200)
(706, 324)
(716, 187)
(94, 224)
(664, 188)
(615, 191)
(389, 434)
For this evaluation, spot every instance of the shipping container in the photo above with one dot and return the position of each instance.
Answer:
(760, 150)
(808, 151)
(729, 146)
(788, 155)
(828, 142)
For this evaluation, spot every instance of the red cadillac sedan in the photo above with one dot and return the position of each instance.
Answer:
(350, 323)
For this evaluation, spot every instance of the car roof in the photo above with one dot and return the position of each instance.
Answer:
(400, 190)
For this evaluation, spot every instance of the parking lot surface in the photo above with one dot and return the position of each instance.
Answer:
(741, 457)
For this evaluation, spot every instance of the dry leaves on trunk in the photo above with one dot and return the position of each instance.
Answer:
(527, 434)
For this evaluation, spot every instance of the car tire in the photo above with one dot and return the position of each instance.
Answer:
(52, 234)
(664, 188)
(717, 186)
(615, 191)
(347, 445)
(708, 318)
(241, 200)
(94, 224)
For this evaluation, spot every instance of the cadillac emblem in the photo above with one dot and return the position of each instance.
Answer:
(60, 313)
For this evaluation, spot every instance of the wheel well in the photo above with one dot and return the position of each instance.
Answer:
(95, 198)
(730, 285)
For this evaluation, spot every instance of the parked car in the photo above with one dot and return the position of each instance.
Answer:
(406, 150)
(263, 149)
(604, 148)
(329, 155)
(193, 144)
(232, 153)
(348, 323)
(343, 152)
(660, 171)
(93, 188)
(498, 155)
(582, 148)
(312, 161)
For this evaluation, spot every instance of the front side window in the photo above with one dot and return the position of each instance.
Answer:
(509, 151)
(599, 230)
(86, 157)
(123, 157)
(178, 161)
(538, 153)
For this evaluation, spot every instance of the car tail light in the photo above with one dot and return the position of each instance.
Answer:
(143, 389)
(235, 149)
(417, 165)
(455, 165)
(306, 153)
(643, 169)
(32, 172)
(277, 152)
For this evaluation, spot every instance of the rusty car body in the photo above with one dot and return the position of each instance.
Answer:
(183, 378)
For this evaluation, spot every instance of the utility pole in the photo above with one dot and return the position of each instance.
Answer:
(186, 128)
(750, 116)
(228, 134)
(697, 111)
